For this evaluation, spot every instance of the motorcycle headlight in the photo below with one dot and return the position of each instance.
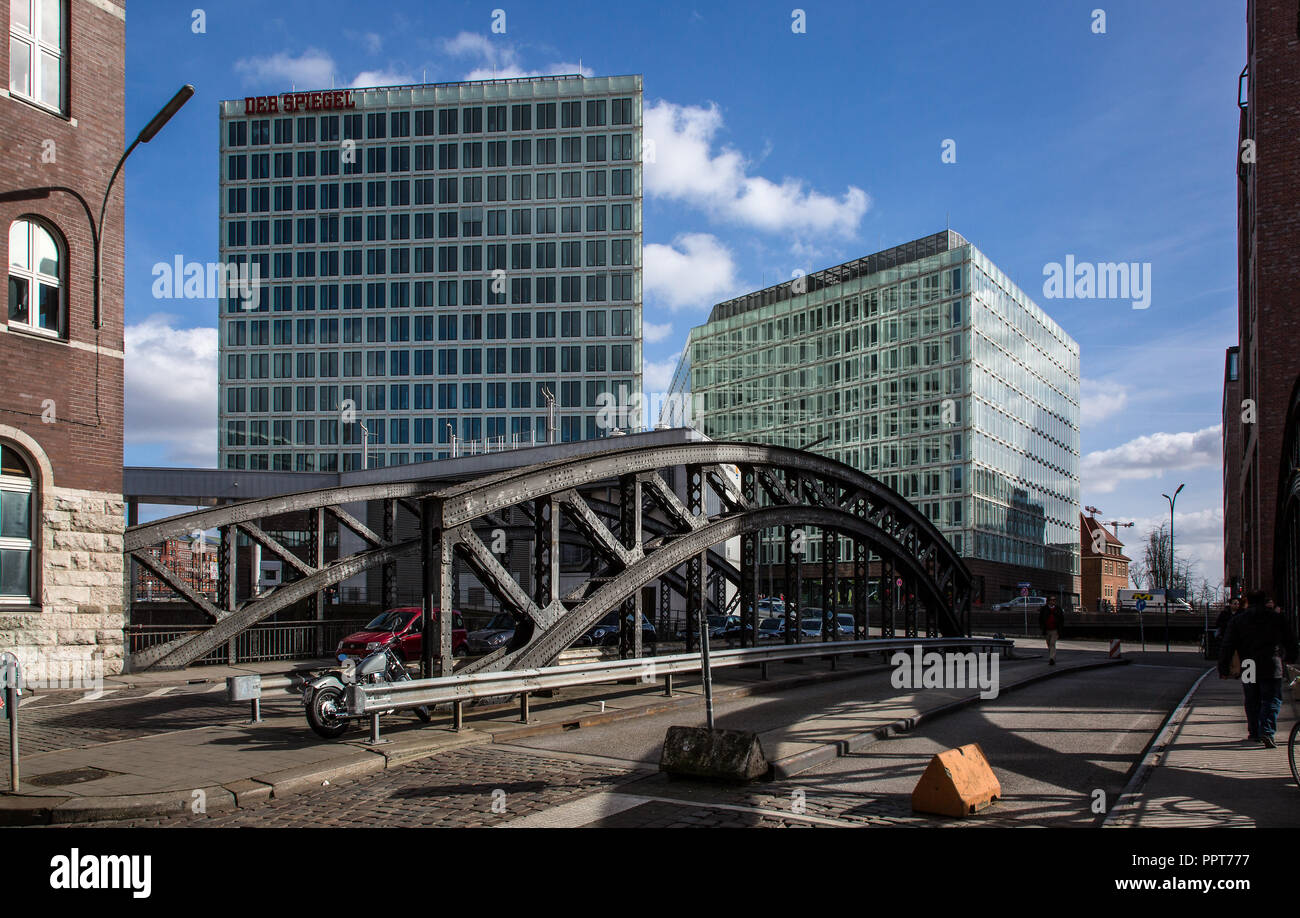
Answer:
(374, 645)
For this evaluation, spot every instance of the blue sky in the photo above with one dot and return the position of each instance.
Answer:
(778, 151)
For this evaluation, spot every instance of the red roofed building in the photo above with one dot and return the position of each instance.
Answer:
(1104, 566)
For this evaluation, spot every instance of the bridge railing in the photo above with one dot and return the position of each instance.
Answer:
(382, 697)
(293, 640)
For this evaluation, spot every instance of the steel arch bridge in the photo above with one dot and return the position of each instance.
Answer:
(639, 528)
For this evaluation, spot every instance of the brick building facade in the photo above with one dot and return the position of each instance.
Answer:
(1268, 229)
(1105, 572)
(61, 367)
(1232, 430)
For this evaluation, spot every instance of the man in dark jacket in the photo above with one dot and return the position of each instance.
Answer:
(1262, 637)
(1050, 622)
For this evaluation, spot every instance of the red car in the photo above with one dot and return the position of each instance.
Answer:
(404, 629)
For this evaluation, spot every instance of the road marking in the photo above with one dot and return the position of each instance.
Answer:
(577, 813)
(162, 691)
(94, 696)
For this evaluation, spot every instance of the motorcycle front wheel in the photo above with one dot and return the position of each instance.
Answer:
(326, 713)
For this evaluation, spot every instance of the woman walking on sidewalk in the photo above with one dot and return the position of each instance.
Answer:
(1050, 620)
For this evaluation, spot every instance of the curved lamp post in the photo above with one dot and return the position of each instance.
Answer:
(1170, 586)
(96, 228)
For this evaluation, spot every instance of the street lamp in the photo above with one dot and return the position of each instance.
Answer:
(1169, 588)
(96, 228)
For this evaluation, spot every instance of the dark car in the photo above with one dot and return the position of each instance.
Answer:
(605, 633)
(497, 633)
(719, 625)
(403, 629)
(771, 629)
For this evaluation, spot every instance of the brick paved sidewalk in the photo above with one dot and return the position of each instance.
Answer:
(1209, 775)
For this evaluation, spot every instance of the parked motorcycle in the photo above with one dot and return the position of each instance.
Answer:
(323, 697)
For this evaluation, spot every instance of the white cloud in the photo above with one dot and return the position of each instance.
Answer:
(367, 78)
(686, 168)
(657, 375)
(653, 333)
(1150, 457)
(692, 272)
(312, 69)
(499, 60)
(171, 390)
(1101, 399)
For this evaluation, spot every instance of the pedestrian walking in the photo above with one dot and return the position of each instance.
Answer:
(1050, 620)
(1221, 623)
(1260, 636)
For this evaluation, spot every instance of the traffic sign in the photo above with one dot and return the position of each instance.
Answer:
(1140, 605)
(1024, 591)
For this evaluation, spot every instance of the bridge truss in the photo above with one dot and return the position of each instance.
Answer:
(639, 528)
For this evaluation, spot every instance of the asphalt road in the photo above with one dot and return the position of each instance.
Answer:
(1052, 744)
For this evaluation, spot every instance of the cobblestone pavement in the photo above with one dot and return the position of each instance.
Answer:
(64, 720)
(454, 789)
(459, 788)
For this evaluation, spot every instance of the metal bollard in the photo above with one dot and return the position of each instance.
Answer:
(457, 714)
(523, 707)
(762, 670)
(668, 685)
(374, 730)
(246, 688)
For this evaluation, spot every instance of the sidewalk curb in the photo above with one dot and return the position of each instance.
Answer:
(799, 762)
(24, 810)
(1151, 757)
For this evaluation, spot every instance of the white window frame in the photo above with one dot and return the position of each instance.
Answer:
(15, 484)
(36, 44)
(35, 278)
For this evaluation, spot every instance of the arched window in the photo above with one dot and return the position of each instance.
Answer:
(17, 526)
(38, 52)
(36, 301)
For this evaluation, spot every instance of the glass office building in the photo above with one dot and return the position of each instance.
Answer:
(926, 367)
(439, 265)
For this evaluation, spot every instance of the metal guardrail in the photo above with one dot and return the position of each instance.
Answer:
(371, 700)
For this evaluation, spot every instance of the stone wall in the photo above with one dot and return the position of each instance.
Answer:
(76, 636)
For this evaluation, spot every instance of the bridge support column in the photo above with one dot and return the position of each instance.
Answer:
(860, 589)
(428, 601)
(794, 537)
(228, 577)
(389, 584)
(749, 551)
(888, 596)
(830, 567)
(630, 637)
(446, 559)
(318, 559)
(665, 608)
